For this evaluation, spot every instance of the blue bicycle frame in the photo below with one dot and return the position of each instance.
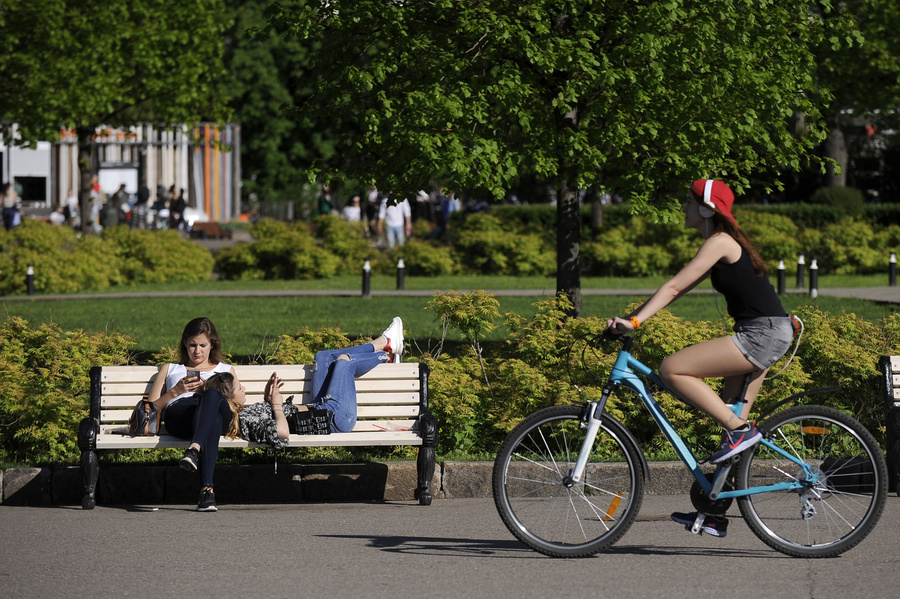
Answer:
(625, 373)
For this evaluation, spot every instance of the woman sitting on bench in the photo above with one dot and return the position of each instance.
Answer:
(190, 411)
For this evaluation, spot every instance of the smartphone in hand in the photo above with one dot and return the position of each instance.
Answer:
(193, 373)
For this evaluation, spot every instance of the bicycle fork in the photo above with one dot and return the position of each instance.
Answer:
(593, 409)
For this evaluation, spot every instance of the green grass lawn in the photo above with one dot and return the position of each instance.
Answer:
(249, 325)
(465, 283)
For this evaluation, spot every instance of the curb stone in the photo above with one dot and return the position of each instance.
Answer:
(292, 483)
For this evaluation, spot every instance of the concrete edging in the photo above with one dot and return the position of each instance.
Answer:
(292, 483)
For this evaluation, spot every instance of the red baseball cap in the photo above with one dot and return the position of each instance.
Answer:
(716, 195)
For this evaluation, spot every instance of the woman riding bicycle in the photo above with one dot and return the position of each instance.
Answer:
(762, 332)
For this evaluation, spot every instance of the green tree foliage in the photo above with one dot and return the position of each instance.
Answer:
(864, 77)
(86, 63)
(635, 97)
(266, 74)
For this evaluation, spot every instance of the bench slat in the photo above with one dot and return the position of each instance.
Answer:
(261, 372)
(115, 441)
(289, 388)
(406, 411)
(370, 426)
(129, 401)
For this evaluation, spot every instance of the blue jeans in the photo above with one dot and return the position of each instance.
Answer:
(202, 419)
(395, 236)
(334, 381)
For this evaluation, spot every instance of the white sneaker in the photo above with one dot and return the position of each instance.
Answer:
(394, 336)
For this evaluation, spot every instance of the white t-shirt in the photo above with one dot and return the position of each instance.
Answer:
(179, 371)
(351, 213)
(395, 215)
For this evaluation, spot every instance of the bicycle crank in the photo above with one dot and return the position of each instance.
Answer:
(702, 502)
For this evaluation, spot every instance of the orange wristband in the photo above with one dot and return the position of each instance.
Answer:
(634, 322)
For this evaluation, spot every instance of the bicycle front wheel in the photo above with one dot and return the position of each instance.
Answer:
(546, 512)
(839, 503)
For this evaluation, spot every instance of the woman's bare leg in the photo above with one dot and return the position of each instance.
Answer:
(684, 371)
(733, 385)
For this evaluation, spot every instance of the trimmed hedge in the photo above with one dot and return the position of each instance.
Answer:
(65, 262)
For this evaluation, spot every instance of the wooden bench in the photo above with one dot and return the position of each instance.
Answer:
(392, 410)
(209, 230)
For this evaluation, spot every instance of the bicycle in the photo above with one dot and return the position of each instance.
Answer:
(568, 481)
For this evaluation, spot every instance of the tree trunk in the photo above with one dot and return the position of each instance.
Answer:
(835, 147)
(85, 168)
(568, 247)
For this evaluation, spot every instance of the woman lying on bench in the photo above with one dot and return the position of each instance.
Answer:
(333, 388)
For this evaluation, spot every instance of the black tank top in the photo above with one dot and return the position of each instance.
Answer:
(747, 294)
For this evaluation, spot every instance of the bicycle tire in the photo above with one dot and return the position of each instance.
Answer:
(836, 513)
(545, 514)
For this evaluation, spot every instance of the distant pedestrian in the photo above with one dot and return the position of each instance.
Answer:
(352, 212)
(395, 220)
(12, 217)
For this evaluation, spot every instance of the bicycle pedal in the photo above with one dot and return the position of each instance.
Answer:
(690, 529)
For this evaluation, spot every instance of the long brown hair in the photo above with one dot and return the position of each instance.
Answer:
(723, 224)
(201, 326)
(223, 382)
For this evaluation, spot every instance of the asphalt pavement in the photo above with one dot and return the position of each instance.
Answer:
(453, 548)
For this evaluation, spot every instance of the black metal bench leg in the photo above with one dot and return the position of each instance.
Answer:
(90, 463)
(426, 461)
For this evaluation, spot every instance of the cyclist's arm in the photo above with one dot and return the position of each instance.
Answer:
(713, 249)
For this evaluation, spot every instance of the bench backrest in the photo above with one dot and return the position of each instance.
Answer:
(390, 396)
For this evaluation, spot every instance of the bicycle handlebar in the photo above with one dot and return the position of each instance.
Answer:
(610, 334)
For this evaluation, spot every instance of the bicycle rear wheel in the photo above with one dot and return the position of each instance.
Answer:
(559, 519)
(828, 515)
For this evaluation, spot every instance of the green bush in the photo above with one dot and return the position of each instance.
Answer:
(640, 248)
(44, 385)
(776, 238)
(488, 245)
(848, 201)
(157, 256)
(66, 263)
(425, 259)
(345, 241)
(853, 247)
(477, 396)
(544, 360)
(281, 251)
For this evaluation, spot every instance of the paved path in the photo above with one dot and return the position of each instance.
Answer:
(456, 548)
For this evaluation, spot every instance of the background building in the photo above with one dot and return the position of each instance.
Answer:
(203, 160)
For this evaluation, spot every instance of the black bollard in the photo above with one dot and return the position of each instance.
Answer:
(781, 278)
(892, 270)
(801, 264)
(401, 274)
(29, 279)
(813, 279)
(367, 280)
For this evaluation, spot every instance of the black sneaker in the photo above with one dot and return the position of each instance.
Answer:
(191, 459)
(712, 525)
(207, 501)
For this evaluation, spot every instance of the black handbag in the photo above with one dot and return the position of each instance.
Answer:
(314, 421)
(144, 419)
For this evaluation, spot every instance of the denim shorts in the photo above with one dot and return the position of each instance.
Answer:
(763, 340)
